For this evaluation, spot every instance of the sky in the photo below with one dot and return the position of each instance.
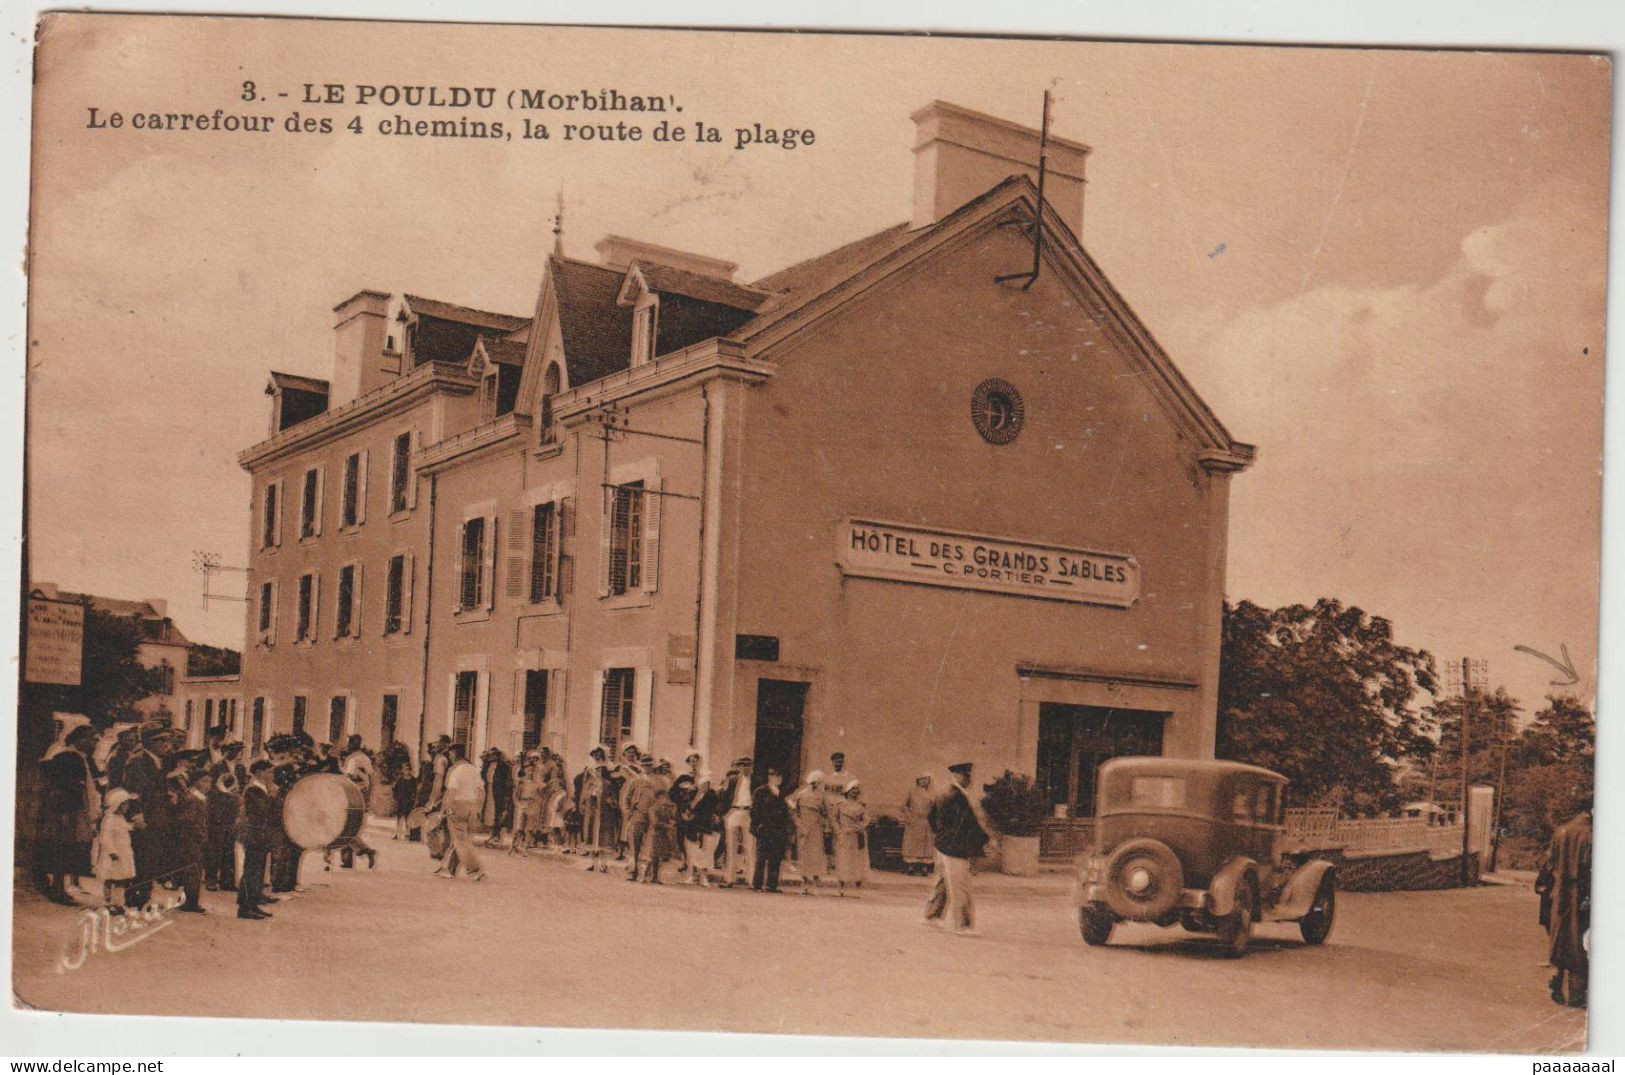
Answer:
(1384, 268)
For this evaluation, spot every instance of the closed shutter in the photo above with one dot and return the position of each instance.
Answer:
(567, 529)
(406, 594)
(651, 535)
(518, 547)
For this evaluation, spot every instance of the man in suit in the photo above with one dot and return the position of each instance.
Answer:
(960, 833)
(261, 828)
(771, 826)
(142, 776)
(190, 837)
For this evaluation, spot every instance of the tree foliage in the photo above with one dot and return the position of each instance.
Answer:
(1551, 769)
(1322, 694)
(205, 660)
(113, 678)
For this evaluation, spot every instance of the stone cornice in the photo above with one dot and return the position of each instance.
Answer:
(460, 448)
(385, 400)
(709, 359)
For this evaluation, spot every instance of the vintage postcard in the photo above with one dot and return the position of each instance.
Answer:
(824, 534)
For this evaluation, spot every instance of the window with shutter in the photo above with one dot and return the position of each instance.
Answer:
(302, 625)
(615, 718)
(300, 705)
(387, 719)
(543, 552)
(345, 613)
(462, 709)
(270, 531)
(518, 522)
(471, 592)
(256, 726)
(626, 539)
(395, 595)
(400, 470)
(307, 505)
(265, 609)
(651, 537)
(350, 506)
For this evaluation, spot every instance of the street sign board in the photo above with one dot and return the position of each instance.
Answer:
(56, 642)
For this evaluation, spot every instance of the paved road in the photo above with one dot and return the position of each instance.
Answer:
(542, 943)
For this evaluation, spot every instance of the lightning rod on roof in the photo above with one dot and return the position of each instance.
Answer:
(558, 226)
(1031, 276)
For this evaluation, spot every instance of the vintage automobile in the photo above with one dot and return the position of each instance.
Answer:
(1200, 843)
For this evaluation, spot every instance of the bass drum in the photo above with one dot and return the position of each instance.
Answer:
(323, 810)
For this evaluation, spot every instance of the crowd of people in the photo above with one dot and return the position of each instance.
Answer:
(636, 813)
(129, 810)
(132, 810)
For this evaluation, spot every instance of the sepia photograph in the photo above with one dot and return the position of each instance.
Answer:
(999, 539)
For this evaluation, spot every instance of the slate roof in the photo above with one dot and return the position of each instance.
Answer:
(807, 278)
(666, 280)
(465, 315)
(597, 332)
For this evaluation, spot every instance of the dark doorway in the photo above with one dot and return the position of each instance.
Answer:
(1073, 742)
(535, 708)
(780, 706)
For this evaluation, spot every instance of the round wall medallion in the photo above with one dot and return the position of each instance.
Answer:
(997, 411)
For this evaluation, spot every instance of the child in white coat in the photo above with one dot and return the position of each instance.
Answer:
(112, 857)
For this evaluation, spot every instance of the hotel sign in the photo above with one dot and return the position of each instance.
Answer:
(876, 550)
(56, 642)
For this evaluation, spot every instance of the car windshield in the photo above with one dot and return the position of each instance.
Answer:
(1163, 791)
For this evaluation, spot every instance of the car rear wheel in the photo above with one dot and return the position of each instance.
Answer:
(1316, 926)
(1095, 924)
(1236, 928)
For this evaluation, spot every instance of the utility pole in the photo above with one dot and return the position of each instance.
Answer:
(1468, 690)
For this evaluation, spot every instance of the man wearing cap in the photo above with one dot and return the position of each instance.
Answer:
(960, 834)
(191, 836)
(637, 800)
(143, 777)
(739, 844)
(464, 790)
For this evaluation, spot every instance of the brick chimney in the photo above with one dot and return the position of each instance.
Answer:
(960, 154)
(360, 361)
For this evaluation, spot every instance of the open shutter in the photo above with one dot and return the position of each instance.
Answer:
(606, 527)
(565, 580)
(491, 536)
(275, 600)
(361, 491)
(321, 488)
(276, 521)
(315, 606)
(356, 604)
(411, 470)
(651, 534)
(555, 705)
(519, 524)
(406, 594)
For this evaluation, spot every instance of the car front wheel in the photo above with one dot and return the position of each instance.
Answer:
(1316, 926)
(1236, 928)
(1095, 924)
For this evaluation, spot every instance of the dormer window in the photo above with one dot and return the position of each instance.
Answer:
(645, 326)
(550, 388)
